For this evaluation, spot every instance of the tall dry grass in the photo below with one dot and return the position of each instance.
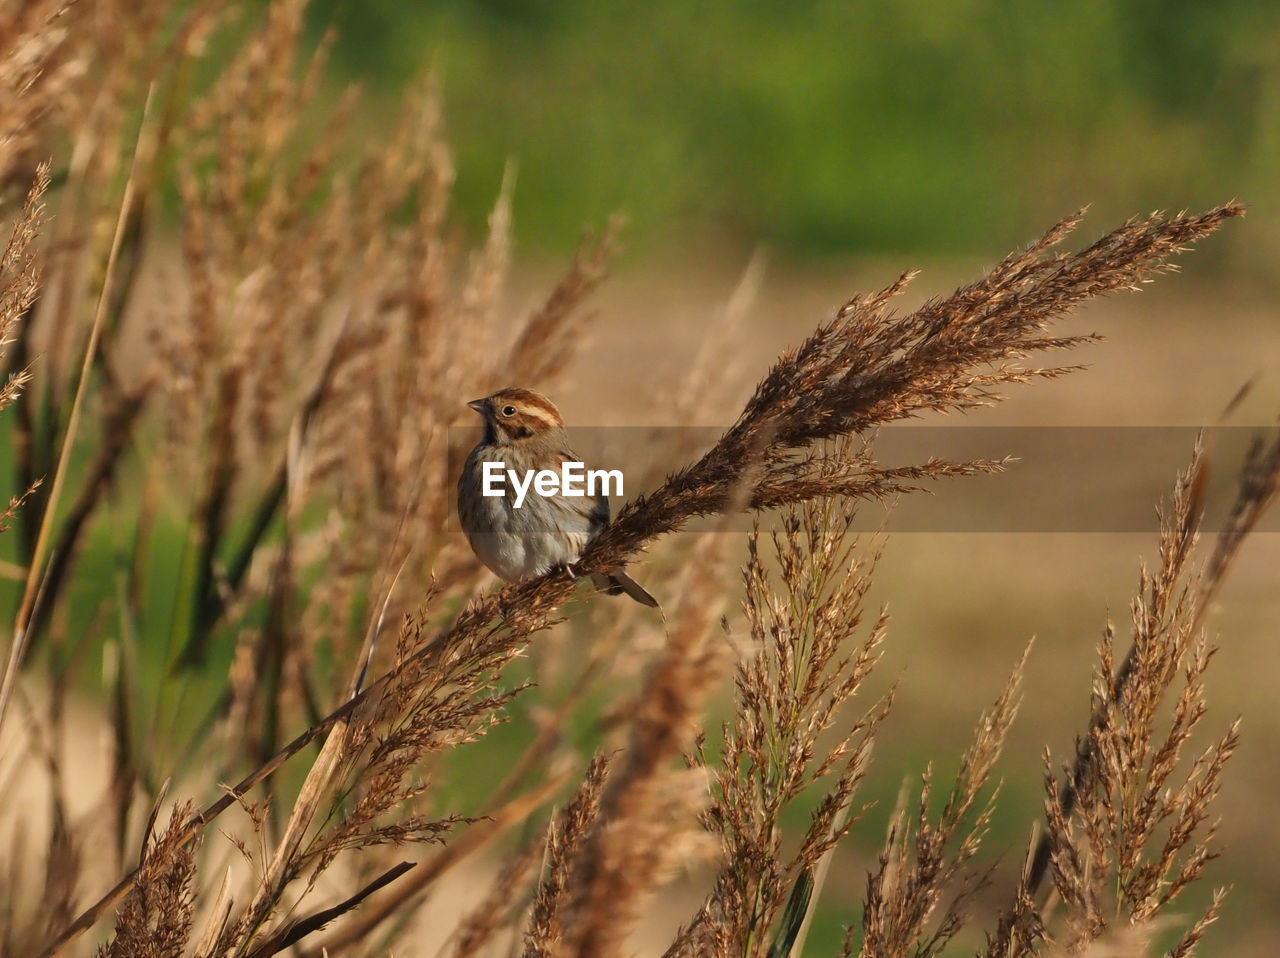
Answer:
(243, 421)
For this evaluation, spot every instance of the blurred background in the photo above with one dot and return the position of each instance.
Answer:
(771, 161)
(826, 128)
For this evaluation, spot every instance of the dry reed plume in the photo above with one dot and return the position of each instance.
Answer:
(257, 419)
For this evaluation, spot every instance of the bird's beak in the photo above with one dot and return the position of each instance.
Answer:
(477, 405)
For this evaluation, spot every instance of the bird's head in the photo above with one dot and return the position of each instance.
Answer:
(513, 415)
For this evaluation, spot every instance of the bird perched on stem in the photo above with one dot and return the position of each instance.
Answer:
(516, 539)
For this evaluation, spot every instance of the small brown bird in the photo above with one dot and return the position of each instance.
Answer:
(520, 534)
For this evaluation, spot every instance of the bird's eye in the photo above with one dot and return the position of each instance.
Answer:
(508, 410)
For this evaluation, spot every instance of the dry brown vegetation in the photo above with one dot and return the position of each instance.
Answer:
(249, 438)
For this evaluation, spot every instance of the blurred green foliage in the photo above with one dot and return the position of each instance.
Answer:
(819, 126)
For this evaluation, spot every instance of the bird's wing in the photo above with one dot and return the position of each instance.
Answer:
(595, 509)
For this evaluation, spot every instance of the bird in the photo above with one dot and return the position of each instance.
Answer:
(522, 535)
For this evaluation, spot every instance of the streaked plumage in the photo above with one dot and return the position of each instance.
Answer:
(523, 430)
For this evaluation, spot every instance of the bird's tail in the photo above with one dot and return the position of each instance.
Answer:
(618, 583)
